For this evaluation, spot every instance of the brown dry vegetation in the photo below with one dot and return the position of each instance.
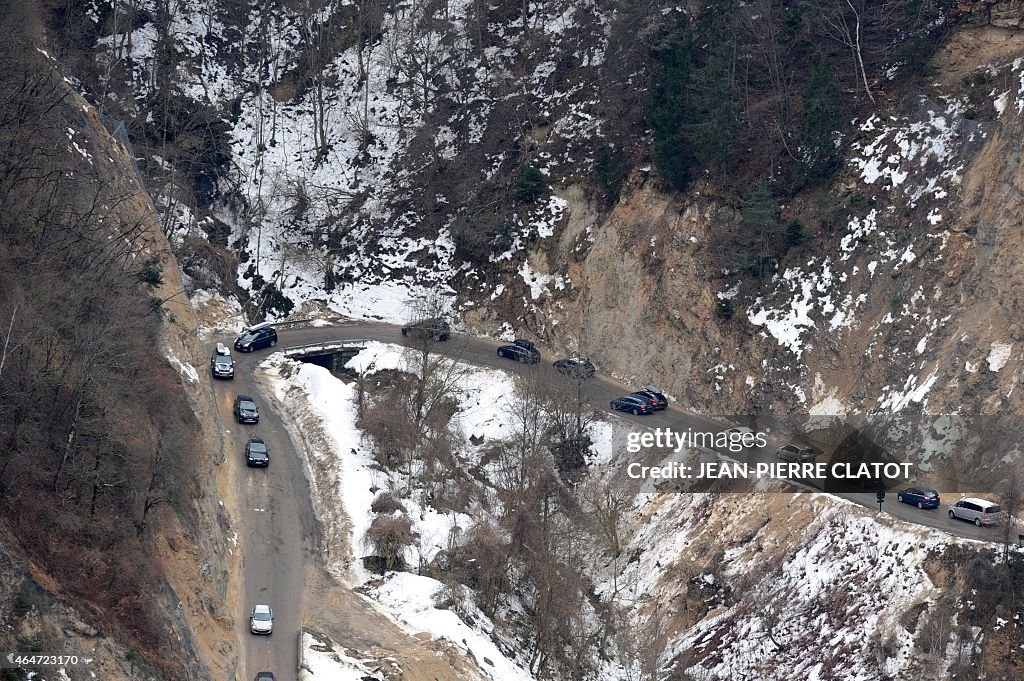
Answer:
(85, 464)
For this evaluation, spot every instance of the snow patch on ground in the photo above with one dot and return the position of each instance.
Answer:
(839, 553)
(184, 368)
(416, 602)
(999, 356)
(895, 400)
(537, 281)
(415, 599)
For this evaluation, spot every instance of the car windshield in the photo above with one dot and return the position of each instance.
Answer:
(257, 448)
(247, 336)
(248, 406)
(261, 616)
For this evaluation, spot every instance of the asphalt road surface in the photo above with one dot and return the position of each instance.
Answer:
(277, 532)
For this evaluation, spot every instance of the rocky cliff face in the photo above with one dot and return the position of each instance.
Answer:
(998, 13)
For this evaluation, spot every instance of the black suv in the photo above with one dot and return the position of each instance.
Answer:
(256, 337)
(654, 395)
(256, 453)
(577, 367)
(245, 410)
(521, 350)
(436, 329)
(221, 364)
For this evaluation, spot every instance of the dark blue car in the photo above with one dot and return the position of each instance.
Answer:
(922, 497)
(521, 351)
(632, 404)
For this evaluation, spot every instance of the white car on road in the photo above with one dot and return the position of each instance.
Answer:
(261, 621)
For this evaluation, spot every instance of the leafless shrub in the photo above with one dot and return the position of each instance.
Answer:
(388, 538)
(487, 554)
(385, 503)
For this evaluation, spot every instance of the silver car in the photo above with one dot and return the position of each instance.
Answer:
(796, 453)
(977, 511)
(261, 621)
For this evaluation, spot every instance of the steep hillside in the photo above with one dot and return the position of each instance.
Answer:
(104, 531)
(476, 535)
(780, 211)
(359, 155)
(905, 304)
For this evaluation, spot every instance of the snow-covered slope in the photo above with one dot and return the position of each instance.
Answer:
(768, 585)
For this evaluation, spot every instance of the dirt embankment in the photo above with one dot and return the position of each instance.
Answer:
(199, 565)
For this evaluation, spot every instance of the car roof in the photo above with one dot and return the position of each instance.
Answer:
(980, 502)
(244, 397)
(261, 608)
(222, 349)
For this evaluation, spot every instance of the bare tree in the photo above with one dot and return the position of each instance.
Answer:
(842, 21)
(605, 500)
(1011, 503)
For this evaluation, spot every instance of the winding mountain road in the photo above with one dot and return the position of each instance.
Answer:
(278, 535)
